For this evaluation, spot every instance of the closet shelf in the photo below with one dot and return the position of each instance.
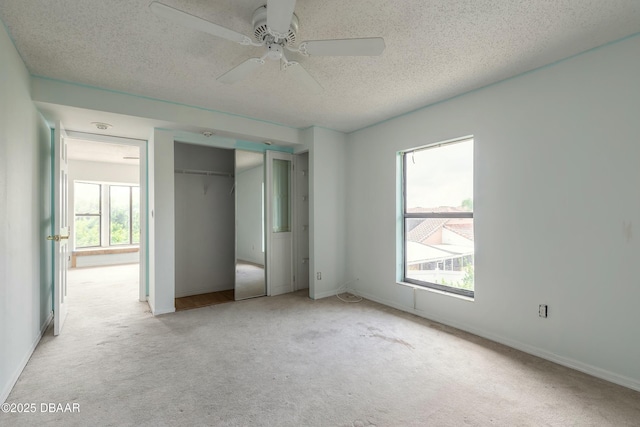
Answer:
(203, 172)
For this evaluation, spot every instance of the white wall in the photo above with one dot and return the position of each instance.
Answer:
(160, 114)
(103, 172)
(204, 221)
(556, 203)
(25, 219)
(327, 210)
(112, 173)
(107, 259)
(249, 215)
(161, 223)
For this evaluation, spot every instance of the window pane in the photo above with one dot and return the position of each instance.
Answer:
(119, 215)
(87, 231)
(86, 198)
(135, 212)
(281, 172)
(440, 251)
(87, 214)
(440, 179)
(439, 235)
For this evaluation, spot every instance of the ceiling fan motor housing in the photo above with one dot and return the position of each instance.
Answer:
(260, 31)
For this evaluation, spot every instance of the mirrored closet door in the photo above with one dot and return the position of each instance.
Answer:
(250, 245)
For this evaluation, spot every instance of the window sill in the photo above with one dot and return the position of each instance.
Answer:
(436, 291)
(103, 250)
(98, 250)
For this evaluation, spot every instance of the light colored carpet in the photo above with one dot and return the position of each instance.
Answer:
(291, 361)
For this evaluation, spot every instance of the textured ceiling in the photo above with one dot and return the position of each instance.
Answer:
(435, 49)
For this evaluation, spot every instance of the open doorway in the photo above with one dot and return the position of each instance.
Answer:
(107, 205)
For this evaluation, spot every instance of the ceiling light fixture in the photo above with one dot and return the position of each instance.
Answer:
(101, 125)
(207, 133)
(268, 142)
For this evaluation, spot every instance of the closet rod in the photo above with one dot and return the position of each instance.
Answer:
(201, 172)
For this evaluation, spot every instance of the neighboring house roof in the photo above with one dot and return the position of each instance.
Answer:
(461, 226)
(439, 209)
(463, 229)
(426, 228)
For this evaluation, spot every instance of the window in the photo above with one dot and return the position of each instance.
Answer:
(121, 223)
(122, 210)
(438, 217)
(87, 214)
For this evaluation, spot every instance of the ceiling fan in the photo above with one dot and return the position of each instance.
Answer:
(275, 27)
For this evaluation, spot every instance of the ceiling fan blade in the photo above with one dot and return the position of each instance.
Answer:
(279, 15)
(344, 47)
(241, 71)
(189, 21)
(297, 72)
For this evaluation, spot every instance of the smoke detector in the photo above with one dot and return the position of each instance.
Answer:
(101, 125)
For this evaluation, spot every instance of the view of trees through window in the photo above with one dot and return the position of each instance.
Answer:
(121, 202)
(124, 215)
(438, 215)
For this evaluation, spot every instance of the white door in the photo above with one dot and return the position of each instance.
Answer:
(279, 230)
(60, 229)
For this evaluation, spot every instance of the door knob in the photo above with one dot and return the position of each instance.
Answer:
(57, 237)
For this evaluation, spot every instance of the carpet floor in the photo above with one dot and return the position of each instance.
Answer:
(292, 361)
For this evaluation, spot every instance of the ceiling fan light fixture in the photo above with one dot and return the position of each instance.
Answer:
(261, 30)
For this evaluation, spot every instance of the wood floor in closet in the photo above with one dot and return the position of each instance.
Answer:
(204, 300)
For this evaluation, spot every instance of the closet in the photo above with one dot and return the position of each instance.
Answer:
(230, 224)
(204, 220)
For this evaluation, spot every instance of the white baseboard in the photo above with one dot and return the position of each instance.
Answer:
(165, 310)
(25, 360)
(161, 310)
(535, 351)
(325, 294)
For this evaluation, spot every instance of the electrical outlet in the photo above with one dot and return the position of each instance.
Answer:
(542, 310)
(319, 275)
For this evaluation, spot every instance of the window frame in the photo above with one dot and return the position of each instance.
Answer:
(105, 213)
(424, 215)
(99, 215)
